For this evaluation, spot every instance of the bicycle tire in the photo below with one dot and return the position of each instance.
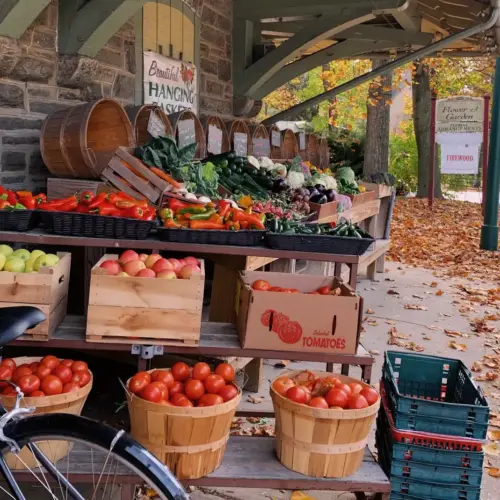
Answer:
(60, 425)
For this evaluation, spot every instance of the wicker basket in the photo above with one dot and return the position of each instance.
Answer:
(312, 142)
(190, 441)
(212, 124)
(187, 129)
(261, 145)
(324, 153)
(71, 402)
(290, 147)
(318, 442)
(140, 115)
(276, 142)
(239, 137)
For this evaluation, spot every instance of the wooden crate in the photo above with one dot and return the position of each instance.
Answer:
(46, 290)
(62, 188)
(361, 198)
(324, 211)
(132, 310)
(380, 190)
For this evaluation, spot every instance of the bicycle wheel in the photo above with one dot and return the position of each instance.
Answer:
(91, 461)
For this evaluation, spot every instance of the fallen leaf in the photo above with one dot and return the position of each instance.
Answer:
(415, 307)
(453, 333)
(255, 399)
(299, 495)
(372, 323)
(392, 292)
(393, 332)
(374, 352)
(439, 293)
(494, 435)
(370, 311)
(493, 471)
(477, 366)
(488, 376)
(415, 296)
(492, 449)
(435, 328)
(434, 284)
(282, 363)
(426, 338)
(458, 347)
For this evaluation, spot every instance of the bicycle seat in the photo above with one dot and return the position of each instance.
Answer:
(14, 321)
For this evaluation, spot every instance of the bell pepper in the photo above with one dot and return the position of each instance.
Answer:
(120, 196)
(10, 196)
(82, 209)
(232, 226)
(176, 204)
(96, 202)
(252, 219)
(149, 213)
(224, 207)
(166, 213)
(46, 206)
(203, 216)
(28, 201)
(4, 204)
(40, 198)
(86, 197)
(205, 224)
(133, 213)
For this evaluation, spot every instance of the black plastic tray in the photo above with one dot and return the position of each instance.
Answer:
(18, 220)
(96, 226)
(212, 237)
(340, 245)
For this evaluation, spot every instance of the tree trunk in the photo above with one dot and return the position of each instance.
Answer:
(422, 95)
(377, 123)
(332, 103)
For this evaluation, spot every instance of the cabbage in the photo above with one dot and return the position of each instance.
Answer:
(265, 162)
(253, 161)
(346, 173)
(328, 181)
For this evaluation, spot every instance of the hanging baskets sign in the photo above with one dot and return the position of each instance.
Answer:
(169, 83)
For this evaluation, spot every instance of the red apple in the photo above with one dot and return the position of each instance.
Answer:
(132, 267)
(150, 261)
(188, 271)
(192, 260)
(127, 256)
(146, 273)
(143, 257)
(177, 266)
(167, 275)
(162, 265)
(112, 266)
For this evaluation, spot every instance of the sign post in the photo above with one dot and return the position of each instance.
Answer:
(430, 187)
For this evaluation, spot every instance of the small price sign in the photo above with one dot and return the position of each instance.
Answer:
(260, 147)
(302, 141)
(156, 127)
(214, 140)
(240, 144)
(275, 139)
(187, 132)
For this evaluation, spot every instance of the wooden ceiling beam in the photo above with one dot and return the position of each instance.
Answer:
(16, 16)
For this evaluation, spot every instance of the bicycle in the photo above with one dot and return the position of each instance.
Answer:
(114, 449)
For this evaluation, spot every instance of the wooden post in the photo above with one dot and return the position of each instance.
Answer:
(430, 194)
(486, 144)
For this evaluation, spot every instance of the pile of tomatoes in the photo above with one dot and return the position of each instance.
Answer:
(265, 286)
(325, 392)
(183, 386)
(48, 377)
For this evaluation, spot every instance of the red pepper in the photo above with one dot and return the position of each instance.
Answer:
(243, 225)
(96, 202)
(205, 224)
(82, 209)
(132, 203)
(86, 197)
(175, 204)
(172, 224)
(68, 206)
(40, 198)
(133, 213)
(104, 208)
(252, 219)
(28, 201)
(224, 207)
(22, 194)
(2, 190)
(10, 196)
(4, 204)
(63, 201)
(149, 214)
(47, 207)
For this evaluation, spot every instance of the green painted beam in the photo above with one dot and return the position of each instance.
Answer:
(248, 82)
(16, 16)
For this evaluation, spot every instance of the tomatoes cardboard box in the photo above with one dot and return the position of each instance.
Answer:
(297, 321)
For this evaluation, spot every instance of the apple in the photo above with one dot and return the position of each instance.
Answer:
(146, 273)
(127, 256)
(112, 266)
(162, 265)
(3, 260)
(6, 250)
(132, 267)
(187, 271)
(150, 261)
(14, 265)
(22, 253)
(143, 257)
(35, 254)
(123, 274)
(167, 275)
(29, 265)
(48, 260)
(176, 264)
(192, 260)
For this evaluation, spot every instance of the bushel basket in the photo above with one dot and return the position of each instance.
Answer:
(212, 237)
(18, 220)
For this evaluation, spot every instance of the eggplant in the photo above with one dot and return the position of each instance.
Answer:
(320, 187)
(320, 199)
(279, 185)
(330, 194)
(313, 192)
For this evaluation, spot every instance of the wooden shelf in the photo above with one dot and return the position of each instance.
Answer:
(355, 214)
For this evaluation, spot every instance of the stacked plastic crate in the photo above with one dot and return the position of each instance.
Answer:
(431, 428)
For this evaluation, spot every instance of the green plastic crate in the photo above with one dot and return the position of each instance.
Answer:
(434, 491)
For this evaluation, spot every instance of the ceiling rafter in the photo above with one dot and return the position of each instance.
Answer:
(16, 16)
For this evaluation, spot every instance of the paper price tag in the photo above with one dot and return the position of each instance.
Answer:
(187, 132)
(240, 144)
(156, 127)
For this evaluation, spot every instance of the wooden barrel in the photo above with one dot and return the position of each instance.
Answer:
(261, 145)
(302, 144)
(318, 442)
(190, 441)
(87, 135)
(71, 402)
(216, 135)
(187, 129)
(276, 142)
(324, 153)
(290, 148)
(140, 115)
(313, 149)
(239, 137)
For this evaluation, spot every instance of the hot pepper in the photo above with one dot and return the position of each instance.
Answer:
(171, 224)
(82, 209)
(4, 204)
(104, 208)
(224, 207)
(216, 218)
(69, 206)
(86, 197)
(133, 213)
(166, 213)
(63, 201)
(252, 219)
(130, 203)
(243, 225)
(96, 202)
(232, 226)
(176, 204)
(193, 209)
(203, 216)
(28, 201)
(22, 194)
(205, 224)
(46, 206)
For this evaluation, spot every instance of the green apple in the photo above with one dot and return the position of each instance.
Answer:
(47, 260)
(35, 254)
(3, 259)
(29, 265)
(6, 250)
(14, 265)
(52, 259)
(22, 253)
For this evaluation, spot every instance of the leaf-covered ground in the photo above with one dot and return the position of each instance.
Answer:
(445, 239)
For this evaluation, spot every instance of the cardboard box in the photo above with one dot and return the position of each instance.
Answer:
(297, 322)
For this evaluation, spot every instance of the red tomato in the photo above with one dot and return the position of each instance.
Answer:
(34, 366)
(177, 388)
(64, 373)
(165, 403)
(9, 362)
(42, 371)
(67, 362)
(50, 361)
(323, 290)
(355, 387)
(163, 376)
(313, 293)
(81, 378)
(9, 391)
(79, 366)
(226, 371)
(304, 377)
(37, 394)
(293, 290)
(357, 402)
(175, 398)
(201, 371)
(180, 371)
(371, 395)
(323, 385)
(214, 383)
(336, 397)
(5, 372)
(20, 372)
(52, 385)
(282, 384)
(308, 393)
(276, 289)
(229, 392)
(297, 394)
(210, 400)
(184, 402)
(29, 383)
(344, 387)
(136, 384)
(318, 402)
(194, 389)
(70, 387)
(261, 285)
(163, 388)
(151, 393)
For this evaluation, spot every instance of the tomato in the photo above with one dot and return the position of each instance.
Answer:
(262, 285)
(214, 383)
(194, 389)
(357, 402)
(20, 372)
(371, 395)
(184, 402)
(29, 383)
(304, 377)
(79, 366)
(151, 393)
(64, 373)
(136, 384)
(336, 397)
(5, 372)
(180, 371)
(308, 393)
(276, 289)
(177, 388)
(67, 362)
(344, 387)
(294, 290)
(318, 402)
(229, 392)
(226, 371)
(50, 361)
(34, 366)
(162, 387)
(52, 385)
(9, 391)
(201, 371)
(355, 387)
(42, 371)
(9, 362)
(297, 394)
(81, 378)
(282, 384)
(210, 400)
(175, 398)
(165, 403)
(313, 293)
(37, 394)
(70, 387)
(323, 290)
(163, 376)
(323, 385)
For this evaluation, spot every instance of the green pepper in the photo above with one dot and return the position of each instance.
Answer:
(166, 213)
(195, 209)
(202, 216)
(19, 206)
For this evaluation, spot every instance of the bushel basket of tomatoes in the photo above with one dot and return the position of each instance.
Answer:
(49, 383)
